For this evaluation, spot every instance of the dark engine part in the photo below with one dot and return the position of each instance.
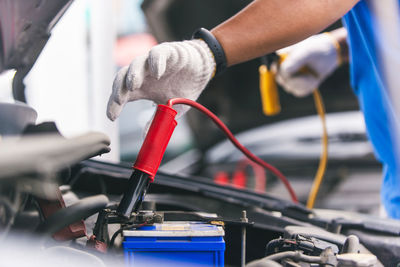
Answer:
(309, 245)
(25, 29)
(307, 251)
(74, 213)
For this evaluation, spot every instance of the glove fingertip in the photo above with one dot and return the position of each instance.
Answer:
(136, 73)
(288, 68)
(113, 110)
(118, 82)
(293, 64)
(302, 87)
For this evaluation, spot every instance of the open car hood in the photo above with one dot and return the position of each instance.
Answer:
(24, 31)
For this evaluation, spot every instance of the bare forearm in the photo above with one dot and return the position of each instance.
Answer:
(267, 25)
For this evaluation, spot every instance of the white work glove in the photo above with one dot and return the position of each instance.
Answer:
(318, 53)
(173, 69)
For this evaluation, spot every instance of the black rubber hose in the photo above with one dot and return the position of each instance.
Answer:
(119, 231)
(293, 255)
(81, 210)
(263, 263)
(18, 86)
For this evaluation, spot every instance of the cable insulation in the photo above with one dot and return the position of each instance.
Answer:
(319, 176)
(120, 230)
(235, 142)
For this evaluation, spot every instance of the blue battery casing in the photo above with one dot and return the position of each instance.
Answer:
(175, 244)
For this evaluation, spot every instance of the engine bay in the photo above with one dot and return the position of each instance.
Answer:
(61, 204)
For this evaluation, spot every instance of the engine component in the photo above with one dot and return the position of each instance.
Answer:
(15, 117)
(24, 157)
(48, 208)
(308, 245)
(263, 263)
(309, 250)
(100, 238)
(245, 220)
(148, 217)
(357, 260)
(76, 212)
(351, 245)
(327, 257)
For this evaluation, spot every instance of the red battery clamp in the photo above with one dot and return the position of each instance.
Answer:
(149, 159)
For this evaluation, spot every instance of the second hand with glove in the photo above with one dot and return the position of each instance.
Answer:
(307, 64)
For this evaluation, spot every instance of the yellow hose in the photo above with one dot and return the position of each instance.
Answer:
(319, 176)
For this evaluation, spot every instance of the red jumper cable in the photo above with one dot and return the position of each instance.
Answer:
(235, 142)
(155, 144)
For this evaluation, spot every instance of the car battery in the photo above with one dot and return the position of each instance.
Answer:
(175, 244)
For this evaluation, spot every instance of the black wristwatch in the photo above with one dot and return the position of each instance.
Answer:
(215, 47)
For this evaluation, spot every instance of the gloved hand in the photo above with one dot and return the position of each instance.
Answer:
(319, 54)
(173, 69)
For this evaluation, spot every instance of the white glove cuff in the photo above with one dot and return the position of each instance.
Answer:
(209, 65)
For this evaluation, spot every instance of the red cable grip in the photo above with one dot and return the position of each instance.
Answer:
(156, 141)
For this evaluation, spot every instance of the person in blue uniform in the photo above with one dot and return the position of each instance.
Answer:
(183, 69)
(367, 50)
